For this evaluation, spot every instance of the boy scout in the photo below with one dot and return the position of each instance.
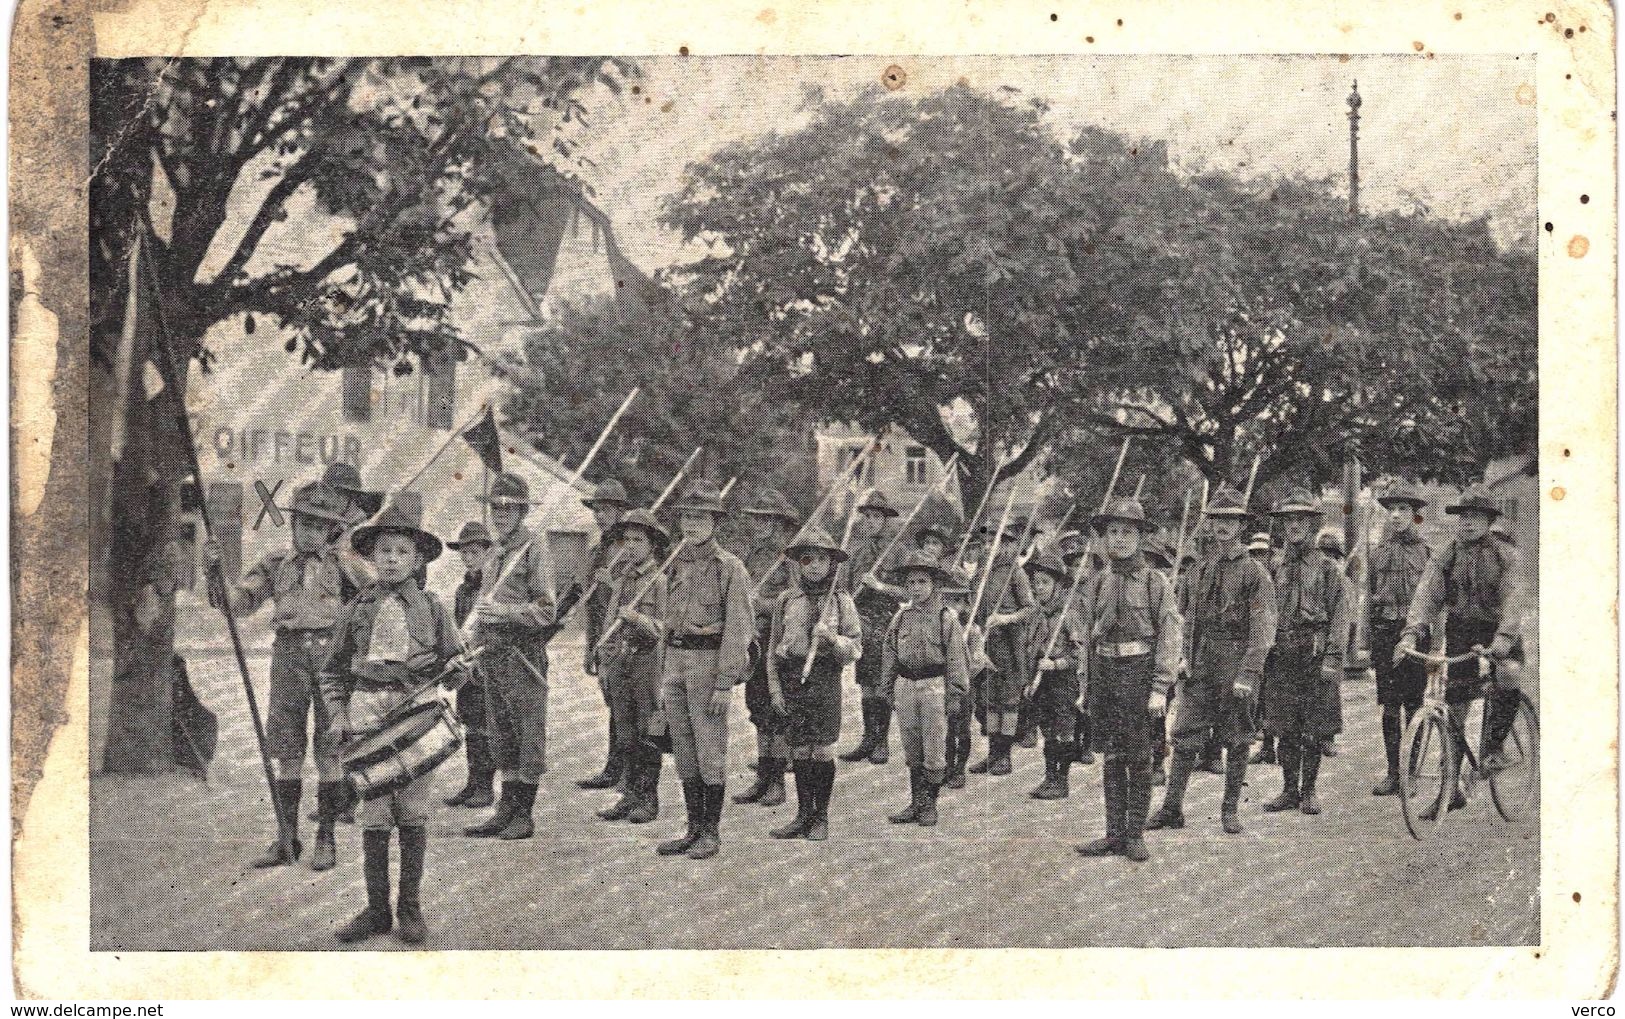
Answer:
(877, 602)
(1053, 689)
(956, 594)
(629, 662)
(603, 565)
(933, 541)
(922, 658)
(1396, 569)
(1474, 581)
(1228, 606)
(474, 544)
(1006, 605)
(391, 639)
(772, 521)
(1132, 631)
(1303, 673)
(307, 588)
(811, 710)
(511, 619)
(709, 625)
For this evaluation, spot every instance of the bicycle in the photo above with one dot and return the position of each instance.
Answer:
(1432, 784)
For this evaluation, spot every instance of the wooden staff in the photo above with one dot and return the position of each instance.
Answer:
(970, 525)
(947, 472)
(1016, 561)
(519, 553)
(682, 543)
(993, 553)
(1252, 476)
(829, 597)
(1139, 486)
(848, 473)
(1117, 472)
(1179, 548)
(1078, 575)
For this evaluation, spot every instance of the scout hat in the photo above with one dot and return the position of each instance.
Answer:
(816, 539)
(1066, 536)
(1226, 502)
(1298, 502)
(1125, 508)
(1475, 500)
(929, 530)
(508, 489)
(1046, 562)
(876, 500)
(1401, 492)
(608, 493)
(346, 480)
(1330, 542)
(642, 520)
(771, 503)
(473, 533)
(919, 562)
(395, 520)
(320, 502)
(1259, 542)
(702, 497)
(958, 582)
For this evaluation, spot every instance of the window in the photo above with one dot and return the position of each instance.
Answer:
(914, 466)
(357, 382)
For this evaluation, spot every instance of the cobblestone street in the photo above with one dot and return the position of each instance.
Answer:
(169, 860)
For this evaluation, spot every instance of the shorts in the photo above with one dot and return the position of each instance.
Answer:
(296, 657)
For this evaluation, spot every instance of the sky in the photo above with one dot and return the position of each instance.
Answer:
(1456, 132)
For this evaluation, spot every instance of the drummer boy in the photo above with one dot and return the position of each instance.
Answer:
(391, 639)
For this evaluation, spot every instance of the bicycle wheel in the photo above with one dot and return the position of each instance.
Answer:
(1426, 772)
(1515, 770)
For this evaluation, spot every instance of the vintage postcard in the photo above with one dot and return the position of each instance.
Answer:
(992, 490)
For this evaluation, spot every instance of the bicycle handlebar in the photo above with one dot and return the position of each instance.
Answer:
(1478, 651)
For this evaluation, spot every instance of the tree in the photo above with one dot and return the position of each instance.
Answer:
(373, 172)
(571, 374)
(898, 257)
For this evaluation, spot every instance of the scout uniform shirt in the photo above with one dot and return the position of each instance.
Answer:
(1228, 603)
(644, 632)
(795, 613)
(308, 592)
(388, 639)
(709, 599)
(1126, 607)
(1475, 581)
(1396, 572)
(1006, 576)
(1310, 605)
(528, 584)
(758, 560)
(603, 567)
(925, 639)
(1070, 646)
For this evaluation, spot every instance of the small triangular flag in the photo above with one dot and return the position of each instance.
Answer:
(483, 437)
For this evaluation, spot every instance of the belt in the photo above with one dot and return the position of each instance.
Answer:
(925, 672)
(1125, 649)
(303, 633)
(695, 641)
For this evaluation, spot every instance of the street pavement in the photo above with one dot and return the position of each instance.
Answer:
(169, 859)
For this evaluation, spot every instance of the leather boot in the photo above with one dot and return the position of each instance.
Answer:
(1172, 812)
(1389, 786)
(614, 761)
(377, 917)
(327, 810)
(958, 754)
(1045, 790)
(694, 803)
(806, 797)
(504, 813)
(648, 786)
(520, 825)
(287, 791)
(629, 800)
(823, 785)
(1026, 728)
(1212, 758)
(981, 767)
(773, 796)
(1308, 802)
(1235, 776)
(866, 745)
(1291, 757)
(408, 911)
(347, 803)
(476, 790)
(1111, 784)
(764, 770)
(930, 782)
(710, 840)
(1000, 764)
(880, 753)
(1063, 769)
(1137, 800)
(911, 812)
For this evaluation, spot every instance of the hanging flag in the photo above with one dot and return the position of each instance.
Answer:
(486, 441)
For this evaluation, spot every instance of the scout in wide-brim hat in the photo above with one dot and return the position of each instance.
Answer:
(919, 562)
(473, 533)
(1226, 502)
(320, 502)
(1298, 503)
(1476, 499)
(1046, 562)
(1125, 508)
(773, 505)
(395, 520)
(932, 531)
(508, 489)
(645, 521)
(1330, 542)
(1402, 493)
(875, 501)
(816, 539)
(608, 493)
(703, 497)
(343, 478)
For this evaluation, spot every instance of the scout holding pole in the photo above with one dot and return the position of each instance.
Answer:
(1077, 576)
(848, 473)
(992, 553)
(215, 573)
(947, 472)
(829, 598)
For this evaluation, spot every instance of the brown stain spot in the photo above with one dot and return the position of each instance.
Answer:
(1120, 23)
(1417, 519)
(893, 78)
(1567, 451)
(1548, 226)
(1055, 17)
(458, 475)
(1089, 38)
(767, 15)
(682, 51)
(1418, 45)
(1558, 493)
(1550, 17)
(1585, 199)
(1568, 33)
(1343, 58)
(1578, 246)
(1525, 95)
(666, 107)
(637, 90)
(1576, 898)
(1458, 15)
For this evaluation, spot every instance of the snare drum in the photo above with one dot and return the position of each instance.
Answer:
(409, 747)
